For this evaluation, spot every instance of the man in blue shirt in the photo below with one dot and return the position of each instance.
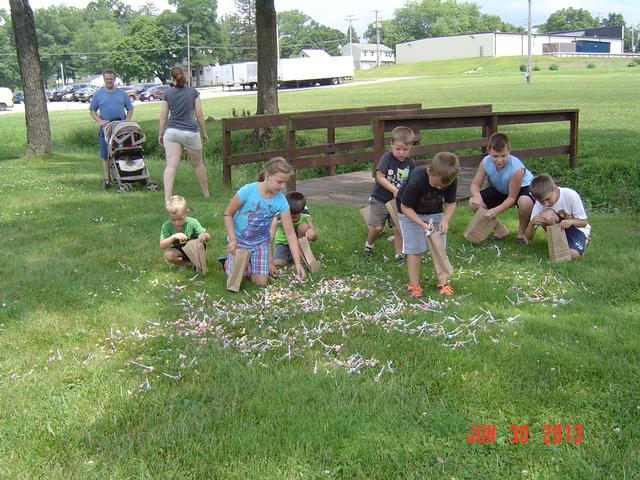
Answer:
(111, 104)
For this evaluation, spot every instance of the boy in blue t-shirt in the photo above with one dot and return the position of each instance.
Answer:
(510, 182)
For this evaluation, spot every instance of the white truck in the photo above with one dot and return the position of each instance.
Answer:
(309, 71)
(6, 99)
(240, 74)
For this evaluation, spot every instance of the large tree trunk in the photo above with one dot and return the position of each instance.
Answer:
(35, 104)
(267, 57)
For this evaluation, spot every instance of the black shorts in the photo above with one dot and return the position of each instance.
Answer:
(492, 197)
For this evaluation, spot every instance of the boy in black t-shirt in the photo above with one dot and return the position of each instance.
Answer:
(392, 170)
(419, 201)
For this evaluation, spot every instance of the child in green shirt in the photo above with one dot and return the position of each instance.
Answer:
(178, 230)
(301, 222)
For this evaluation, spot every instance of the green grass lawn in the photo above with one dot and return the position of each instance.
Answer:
(114, 365)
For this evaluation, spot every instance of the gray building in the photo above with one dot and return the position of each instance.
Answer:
(502, 44)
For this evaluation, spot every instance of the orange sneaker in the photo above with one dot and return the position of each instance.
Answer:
(414, 291)
(446, 289)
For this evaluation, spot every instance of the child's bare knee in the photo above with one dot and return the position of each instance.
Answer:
(172, 256)
(376, 228)
(260, 280)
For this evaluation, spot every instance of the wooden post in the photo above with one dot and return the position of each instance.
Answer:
(240, 261)
(226, 153)
(573, 140)
(331, 139)
(291, 154)
(377, 126)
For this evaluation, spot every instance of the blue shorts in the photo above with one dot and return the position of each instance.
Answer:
(576, 239)
(282, 251)
(258, 263)
(104, 153)
(413, 240)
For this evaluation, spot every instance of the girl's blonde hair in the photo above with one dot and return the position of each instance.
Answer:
(274, 166)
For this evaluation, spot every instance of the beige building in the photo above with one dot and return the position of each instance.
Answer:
(500, 44)
(365, 55)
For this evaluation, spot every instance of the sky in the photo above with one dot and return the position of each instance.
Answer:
(334, 13)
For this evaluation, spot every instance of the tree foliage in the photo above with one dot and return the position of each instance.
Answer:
(569, 19)
(435, 18)
(298, 31)
(239, 32)
(147, 51)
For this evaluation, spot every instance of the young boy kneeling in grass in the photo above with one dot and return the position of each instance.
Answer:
(419, 201)
(301, 222)
(178, 230)
(559, 205)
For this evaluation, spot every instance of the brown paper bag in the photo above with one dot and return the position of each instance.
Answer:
(364, 212)
(240, 261)
(393, 211)
(439, 257)
(480, 227)
(307, 255)
(197, 254)
(557, 244)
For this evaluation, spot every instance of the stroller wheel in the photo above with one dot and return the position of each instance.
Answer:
(123, 188)
(152, 186)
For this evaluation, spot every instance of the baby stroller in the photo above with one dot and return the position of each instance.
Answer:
(126, 156)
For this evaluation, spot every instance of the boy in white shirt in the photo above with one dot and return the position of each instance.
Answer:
(559, 205)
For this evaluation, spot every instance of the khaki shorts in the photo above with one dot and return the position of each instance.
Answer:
(187, 139)
(378, 214)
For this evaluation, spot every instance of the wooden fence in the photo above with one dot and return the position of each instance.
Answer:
(489, 123)
(230, 125)
(331, 154)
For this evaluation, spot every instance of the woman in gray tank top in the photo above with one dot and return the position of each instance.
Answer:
(180, 131)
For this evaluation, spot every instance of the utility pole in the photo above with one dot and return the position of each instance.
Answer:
(351, 19)
(377, 39)
(188, 54)
(529, 42)
(62, 74)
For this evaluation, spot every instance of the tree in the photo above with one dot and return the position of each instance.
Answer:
(204, 30)
(240, 31)
(35, 105)
(436, 18)
(267, 57)
(569, 19)
(613, 20)
(298, 31)
(88, 43)
(147, 51)
(9, 72)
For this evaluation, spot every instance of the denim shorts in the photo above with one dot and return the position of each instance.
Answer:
(413, 240)
(104, 153)
(187, 139)
(576, 239)
(282, 251)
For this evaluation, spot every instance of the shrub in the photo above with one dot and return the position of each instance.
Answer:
(554, 66)
(536, 68)
(631, 64)
(523, 68)
(591, 65)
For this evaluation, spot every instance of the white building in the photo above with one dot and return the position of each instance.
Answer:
(365, 55)
(502, 44)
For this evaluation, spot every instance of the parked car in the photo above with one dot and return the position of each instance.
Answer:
(68, 96)
(60, 92)
(6, 98)
(154, 93)
(18, 97)
(132, 92)
(87, 93)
